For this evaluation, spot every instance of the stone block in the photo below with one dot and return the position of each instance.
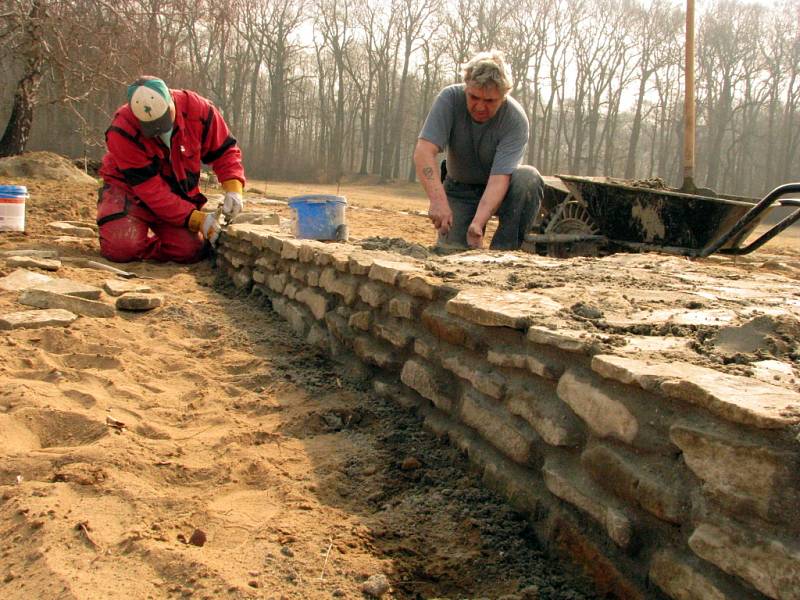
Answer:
(298, 271)
(736, 399)
(742, 472)
(33, 262)
(342, 285)
(562, 338)
(297, 318)
(337, 325)
(396, 393)
(653, 483)
(487, 382)
(308, 250)
(139, 302)
(388, 272)
(259, 277)
(361, 320)
(71, 229)
(312, 276)
(277, 282)
(374, 294)
(22, 279)
(79, 306)
(540, 407)
(605, 416)
(290, 249)
(404, 306)
(290, 290)
(70, 288)
(516, 484)
(570, 539)
(266, 262)
(238, 259)
(275, 243)
(360, 263)
(317, 303)
(29, 252)
(681, 579)
(769, 564)
(242, 279)
(568, 483)
(33, 319)
(424, 379)
(494, 308)
(540, 365)
(494, 424)
(427, 347)
(420, 285)
(396, 334)
(340, 261)
(317, 337)
(375, 353)
(117, 287)
(451, 329)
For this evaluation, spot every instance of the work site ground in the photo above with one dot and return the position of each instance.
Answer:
(201, 450)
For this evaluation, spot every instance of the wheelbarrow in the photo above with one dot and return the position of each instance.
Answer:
(590, 216)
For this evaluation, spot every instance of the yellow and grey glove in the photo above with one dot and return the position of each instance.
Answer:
(206, 223)
(233, 203)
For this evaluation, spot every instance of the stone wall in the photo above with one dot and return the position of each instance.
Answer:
(662, 479)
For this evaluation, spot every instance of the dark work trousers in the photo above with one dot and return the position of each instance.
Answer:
(515, 214)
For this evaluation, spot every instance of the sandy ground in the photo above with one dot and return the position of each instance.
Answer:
(303, 484)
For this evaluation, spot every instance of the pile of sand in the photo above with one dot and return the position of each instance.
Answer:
(43, 165)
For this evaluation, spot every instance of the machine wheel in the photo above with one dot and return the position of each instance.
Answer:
(571, 216)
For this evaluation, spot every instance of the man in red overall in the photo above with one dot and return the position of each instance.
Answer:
(149, 206)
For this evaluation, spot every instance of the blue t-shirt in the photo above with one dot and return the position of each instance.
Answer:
(476, 150)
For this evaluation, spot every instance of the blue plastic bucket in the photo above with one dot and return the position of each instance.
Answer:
(319, 217)
(12, 207)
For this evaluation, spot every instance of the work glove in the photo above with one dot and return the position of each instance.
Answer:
(232, 205)
(206, 223)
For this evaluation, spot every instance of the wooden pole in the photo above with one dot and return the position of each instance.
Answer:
(688, 102)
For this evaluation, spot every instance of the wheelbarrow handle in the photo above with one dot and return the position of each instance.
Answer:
(749, 217)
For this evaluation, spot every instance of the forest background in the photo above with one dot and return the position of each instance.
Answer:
(318, 90)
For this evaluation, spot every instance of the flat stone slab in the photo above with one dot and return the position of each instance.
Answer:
(493, 308)
(82, 230)
(257, 218)
(34, 262)
(22, 279)
(32, 319)
(117, 287)
(81, 306)
(739, 399)
(139, 301)
(68, 287)
(30, 252)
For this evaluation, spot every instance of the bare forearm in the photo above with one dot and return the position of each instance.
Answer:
(428, 175)
(492, 198)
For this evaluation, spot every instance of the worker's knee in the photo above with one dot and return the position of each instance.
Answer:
(123, 240)
(525, 192)
(527, 178)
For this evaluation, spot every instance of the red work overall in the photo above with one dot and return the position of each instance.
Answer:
(150, 190)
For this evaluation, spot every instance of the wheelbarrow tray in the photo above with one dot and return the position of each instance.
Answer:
(659, 219)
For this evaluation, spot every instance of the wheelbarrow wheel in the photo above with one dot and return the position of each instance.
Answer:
(572, 217)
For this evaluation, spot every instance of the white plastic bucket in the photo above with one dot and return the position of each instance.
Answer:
(12, 207)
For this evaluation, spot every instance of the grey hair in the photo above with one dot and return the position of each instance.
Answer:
(488, 68)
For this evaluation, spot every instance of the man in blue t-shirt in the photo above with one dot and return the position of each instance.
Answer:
(484, 131)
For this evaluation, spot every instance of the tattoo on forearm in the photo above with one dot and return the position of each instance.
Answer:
(428, 172)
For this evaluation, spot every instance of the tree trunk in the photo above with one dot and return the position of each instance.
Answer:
(20, 122)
